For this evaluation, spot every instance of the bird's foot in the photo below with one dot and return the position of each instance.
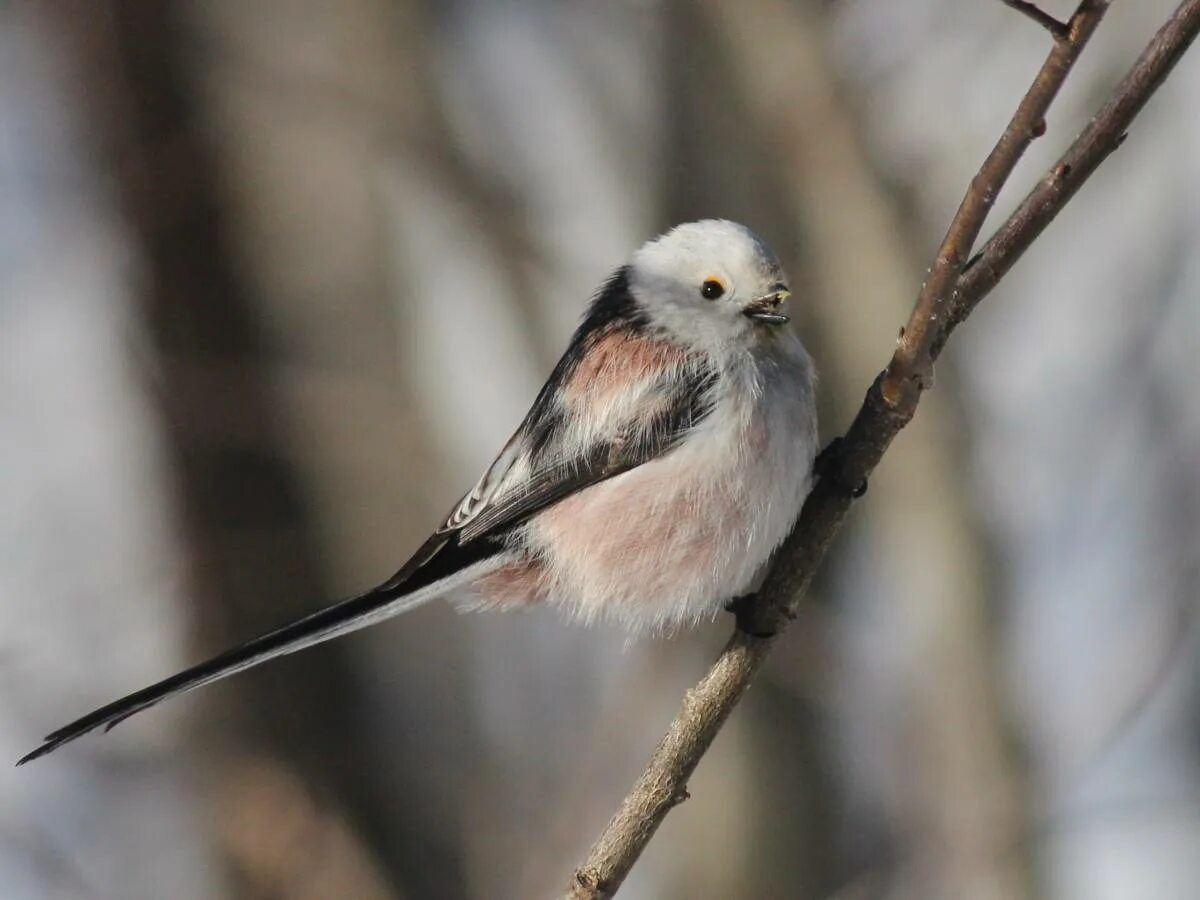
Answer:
(749, 617)
(827, 467)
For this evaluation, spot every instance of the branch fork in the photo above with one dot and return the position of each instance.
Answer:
(1058, 30)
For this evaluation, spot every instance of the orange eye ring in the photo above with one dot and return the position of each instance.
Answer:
(712, 288)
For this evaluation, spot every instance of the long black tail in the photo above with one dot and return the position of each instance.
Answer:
(437, 568)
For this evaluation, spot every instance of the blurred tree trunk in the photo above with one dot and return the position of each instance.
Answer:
(721, 164)
(293, 742)
(954, 788)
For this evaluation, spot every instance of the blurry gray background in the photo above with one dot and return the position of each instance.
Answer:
(277, 279)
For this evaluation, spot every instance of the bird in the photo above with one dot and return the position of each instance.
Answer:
(666, 457)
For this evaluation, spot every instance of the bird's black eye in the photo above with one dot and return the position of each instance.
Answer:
(711, 289)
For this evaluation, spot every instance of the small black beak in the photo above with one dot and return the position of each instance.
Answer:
(766, 309)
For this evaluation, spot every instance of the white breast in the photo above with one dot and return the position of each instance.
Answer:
(671, 541)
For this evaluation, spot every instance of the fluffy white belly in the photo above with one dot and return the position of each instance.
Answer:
(668, 543)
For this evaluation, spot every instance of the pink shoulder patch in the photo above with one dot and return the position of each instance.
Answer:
(617, 359)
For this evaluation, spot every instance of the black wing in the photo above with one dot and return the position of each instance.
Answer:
(535, 469)
(676, 405)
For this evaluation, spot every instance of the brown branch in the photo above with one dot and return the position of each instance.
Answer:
(950, 294)
(1058, 29)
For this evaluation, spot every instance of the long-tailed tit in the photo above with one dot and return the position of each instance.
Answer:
(665, 458)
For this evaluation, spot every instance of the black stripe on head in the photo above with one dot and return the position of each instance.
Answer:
(612, 306)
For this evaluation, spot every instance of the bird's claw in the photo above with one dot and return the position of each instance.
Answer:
(827, 467)
(746, 613)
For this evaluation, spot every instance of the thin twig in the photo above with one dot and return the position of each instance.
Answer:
(911, 368)
(889, 405)
(1032, 10)
(1104, 134)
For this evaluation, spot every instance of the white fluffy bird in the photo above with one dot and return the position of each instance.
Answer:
(665, 458)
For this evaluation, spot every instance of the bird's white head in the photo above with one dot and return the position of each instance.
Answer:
(712, 283)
